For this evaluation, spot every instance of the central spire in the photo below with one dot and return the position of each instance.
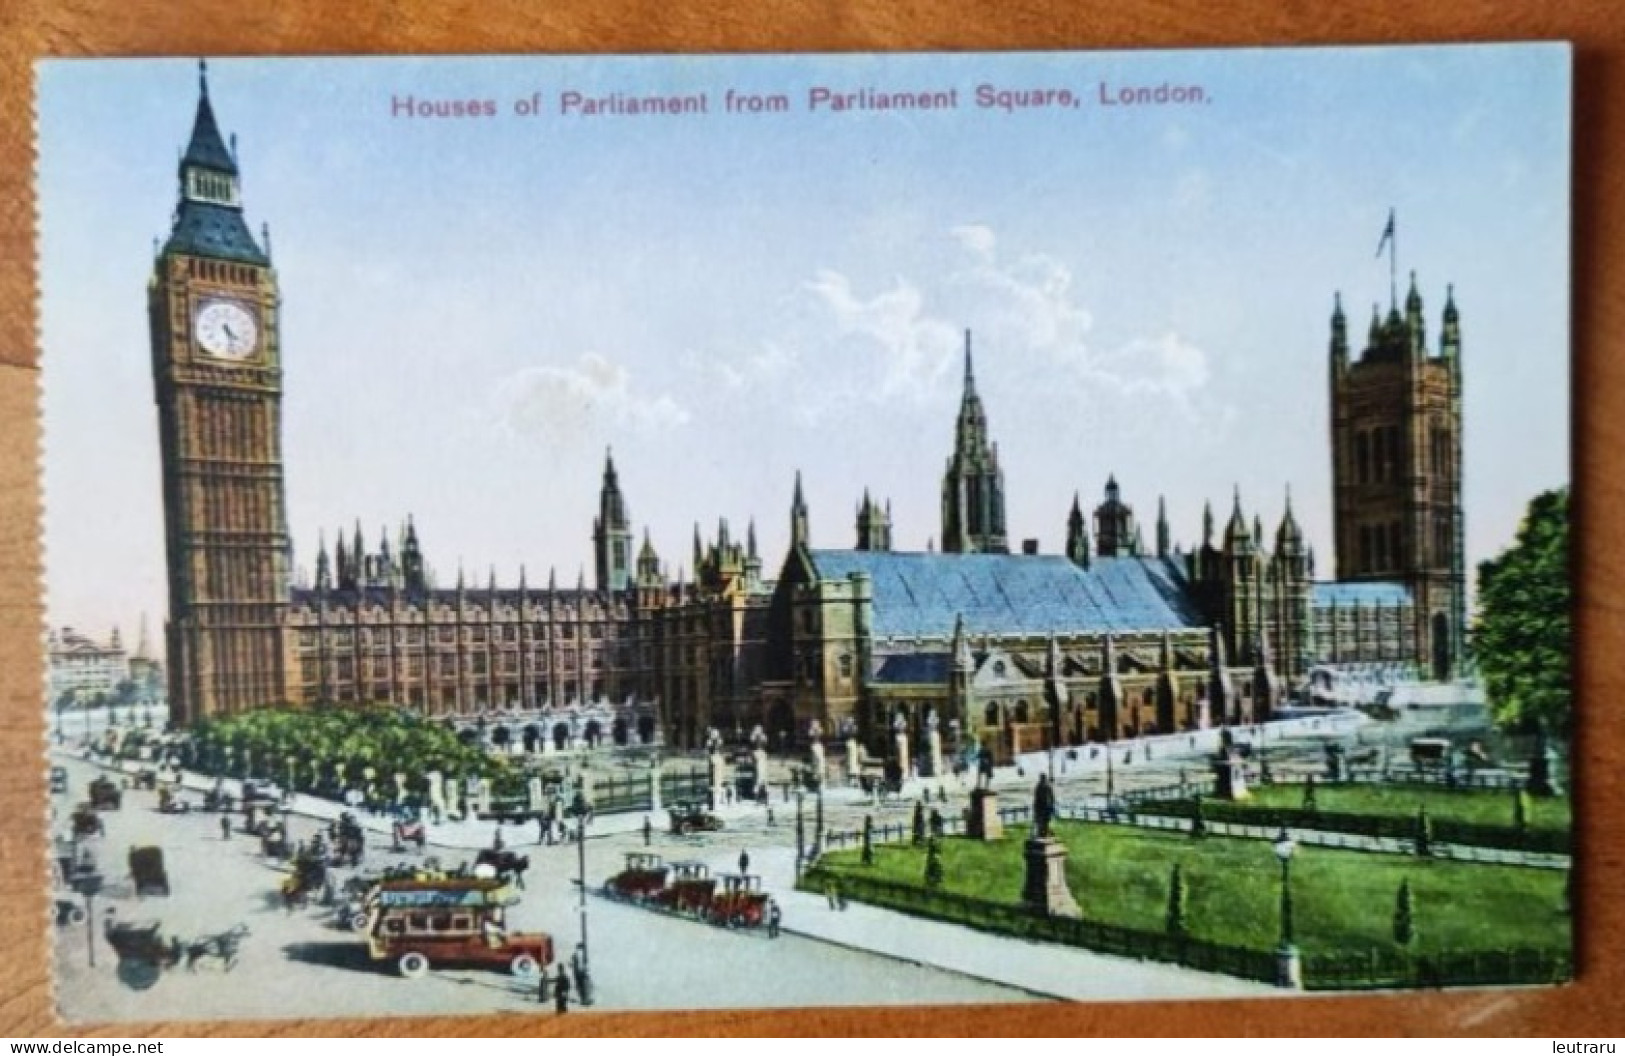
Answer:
(973, 486)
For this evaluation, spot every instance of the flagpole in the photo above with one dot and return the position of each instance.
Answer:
(1393, 266)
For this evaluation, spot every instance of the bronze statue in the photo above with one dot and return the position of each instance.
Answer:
(1043, 807)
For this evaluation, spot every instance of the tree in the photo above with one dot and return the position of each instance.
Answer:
(868, 840)
(1176, 904)
(1198, 818)
(1424, 833)
(1520, 810)
(933, 863)
(1523, 638)
(1405, 915)
(1309, 795)
(919, 823)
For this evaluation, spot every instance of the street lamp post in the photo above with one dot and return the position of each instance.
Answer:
(801, 836)
(583, 983)
(818, 822)
(1288, 966)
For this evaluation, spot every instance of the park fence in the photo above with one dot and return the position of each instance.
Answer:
(1381, 969)
(685, 786)
(1021, 922)
(1371, 826)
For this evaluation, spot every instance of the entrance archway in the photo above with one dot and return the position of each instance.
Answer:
(593, 733)
(561, 736)
(619, 732)
(646, 728)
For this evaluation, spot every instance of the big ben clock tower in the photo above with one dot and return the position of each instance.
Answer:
(217, 370)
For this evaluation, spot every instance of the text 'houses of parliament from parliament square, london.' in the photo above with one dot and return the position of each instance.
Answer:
(1111, 638)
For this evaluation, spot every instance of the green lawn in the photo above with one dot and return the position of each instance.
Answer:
(1343, 900)
(1476, 807)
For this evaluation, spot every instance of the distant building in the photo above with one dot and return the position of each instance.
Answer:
(84, 667)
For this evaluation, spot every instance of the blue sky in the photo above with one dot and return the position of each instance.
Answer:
(474, 308)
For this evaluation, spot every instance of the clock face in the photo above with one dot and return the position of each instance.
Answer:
(226, 330)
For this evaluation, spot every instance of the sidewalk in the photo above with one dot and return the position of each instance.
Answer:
(1043, 969)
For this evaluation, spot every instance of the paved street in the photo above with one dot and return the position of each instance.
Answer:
(303, 962)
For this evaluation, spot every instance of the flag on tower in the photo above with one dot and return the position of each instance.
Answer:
(1387, 233)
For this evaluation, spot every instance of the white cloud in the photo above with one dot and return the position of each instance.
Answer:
(1168, 366)
(565, 405)
(902, 342)
(915, 348)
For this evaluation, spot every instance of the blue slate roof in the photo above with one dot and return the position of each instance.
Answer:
(1347, 595)
(215, 231)
(921, 594)
(913, 669)
(207, 148)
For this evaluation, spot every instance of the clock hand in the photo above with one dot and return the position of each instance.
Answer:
(227, 328)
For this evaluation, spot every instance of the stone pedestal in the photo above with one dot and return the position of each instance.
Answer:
(1288, 968)
(718, 777)
(818, 764)
(437, 793)
(1045, 891)
(904, 759)
(534, 789)
(1229, 779)
(982, 819)
(934, 749)
(453, 799)
(400, 789)
(482, 802)
(854, 761)
(759, 758)
(654, 789)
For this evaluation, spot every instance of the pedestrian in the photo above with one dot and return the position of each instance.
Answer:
(544, 983)
(744, 862)
(770, 817)
(561, 992)
(774, 919)
(496, 841)
(648, 830)
(225, 826)
(830, 894)
(541, 829)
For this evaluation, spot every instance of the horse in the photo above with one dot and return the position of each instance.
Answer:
(223, 946)
(506, 864)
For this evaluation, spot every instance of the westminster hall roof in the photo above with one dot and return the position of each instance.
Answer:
(923, 594)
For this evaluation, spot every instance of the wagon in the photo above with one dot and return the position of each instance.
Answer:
(643, 878)
(147, 872)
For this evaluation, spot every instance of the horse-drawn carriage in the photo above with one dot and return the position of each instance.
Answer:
(105, 794)
(309, 877)
(409, 831)
(689, 818)
(170, 801)
(143, 953)
(502, 865)
(86, 822)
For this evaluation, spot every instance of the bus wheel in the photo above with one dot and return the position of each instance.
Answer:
(413, 965)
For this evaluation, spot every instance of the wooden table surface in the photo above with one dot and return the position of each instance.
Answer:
(31, 29)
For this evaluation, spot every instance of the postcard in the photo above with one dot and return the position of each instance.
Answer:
(537, 534)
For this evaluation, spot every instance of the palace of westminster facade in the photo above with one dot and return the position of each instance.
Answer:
(1111, 638)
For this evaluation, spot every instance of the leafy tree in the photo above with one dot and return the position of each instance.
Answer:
(1424, 832)
(1520, 809)
(1405, 915)
(933, 863)
(1309, 794)
(1198, 818)
(1176, 903)
(1523, 638)
(868, 840)
(919, 822)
